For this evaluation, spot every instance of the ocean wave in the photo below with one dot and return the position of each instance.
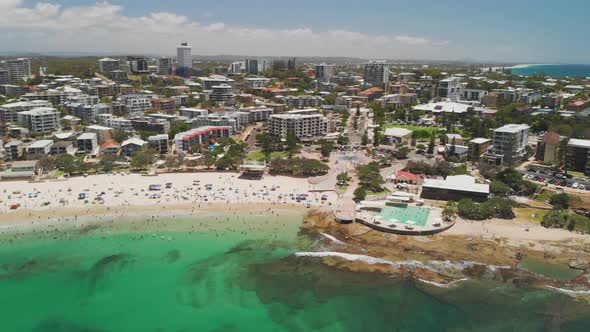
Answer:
(332, 238)
(441, 285)
(569, 291)
(434, 266)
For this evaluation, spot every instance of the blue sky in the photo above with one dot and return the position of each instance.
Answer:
(517, 30)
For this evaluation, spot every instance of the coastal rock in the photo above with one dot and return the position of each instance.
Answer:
(580, 264)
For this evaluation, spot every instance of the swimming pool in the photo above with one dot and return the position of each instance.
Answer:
(404, 214)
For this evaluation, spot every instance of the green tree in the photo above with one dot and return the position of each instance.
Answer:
(431, 144)
(449, 213)
(560, 201)
(402, 153)
(554, 219)
(499, 188)
(178, 127)
(365, 139)
(342, 140)
(209, 159)
(119, 136)
(142, 159)
(326, 147)
(292, 145)
(359, 194)
(370, 176)
(414, 137)
(107, 161)
(343, 177)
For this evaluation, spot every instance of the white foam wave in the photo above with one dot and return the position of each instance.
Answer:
(440, 285)
(434, 266)
(332, 238)
(570, 291)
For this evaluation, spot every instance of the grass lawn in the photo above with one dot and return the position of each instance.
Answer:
(58, 173)
(258, 155)
(544, 196)
(529, 214)
(577, 174)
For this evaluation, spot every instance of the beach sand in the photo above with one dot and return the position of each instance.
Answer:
(129, 194)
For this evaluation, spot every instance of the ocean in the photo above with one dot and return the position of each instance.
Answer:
(556, 71)
(228, 272)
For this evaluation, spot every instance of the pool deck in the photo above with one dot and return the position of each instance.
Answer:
(433, 225)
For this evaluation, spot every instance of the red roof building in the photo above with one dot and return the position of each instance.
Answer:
(577, 105)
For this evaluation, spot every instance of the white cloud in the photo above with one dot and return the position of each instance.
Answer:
(103, 27)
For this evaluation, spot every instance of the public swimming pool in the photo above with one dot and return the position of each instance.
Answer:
(404, 214)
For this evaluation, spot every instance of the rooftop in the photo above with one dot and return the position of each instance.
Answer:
(40, 144)
(397, 132)
(579, 143)
(480, 140)
(512, 128)
(458, 182)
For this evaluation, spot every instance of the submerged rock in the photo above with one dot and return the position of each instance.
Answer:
(580, 264)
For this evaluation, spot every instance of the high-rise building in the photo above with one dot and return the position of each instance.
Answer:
(184, 55)
(165, 66)
(4, 78)
(376, 73)
(19, 69)
(509, 144)
(256, 66)
(324, 72)
(107, 65)
(138, 65)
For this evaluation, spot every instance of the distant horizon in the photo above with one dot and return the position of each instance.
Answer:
(424, 29)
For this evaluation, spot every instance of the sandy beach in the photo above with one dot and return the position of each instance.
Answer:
(126, 194)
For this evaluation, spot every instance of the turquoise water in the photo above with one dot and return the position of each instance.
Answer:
(404, 214)
(554, 70)
(238, 273)
(560, 272)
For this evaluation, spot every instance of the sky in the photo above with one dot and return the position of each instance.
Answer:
(523, 31)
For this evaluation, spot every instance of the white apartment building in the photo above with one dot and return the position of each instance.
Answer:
(13, 150)
(376, 73)
(116, 123)
(450, 88)
(19, 69)
(184, 56)
(210, 82)
(39, 149)
(136, 103)
(237, 67)
(40, 120)
(258, 114)
(304, 124)
(107, 65)
(87, 143)
(256, 82)
(9, 112)
(193, 112)
(509, 144)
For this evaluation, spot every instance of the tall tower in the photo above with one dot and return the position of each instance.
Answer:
(184, 55)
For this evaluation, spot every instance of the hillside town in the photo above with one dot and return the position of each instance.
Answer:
(465, 140)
